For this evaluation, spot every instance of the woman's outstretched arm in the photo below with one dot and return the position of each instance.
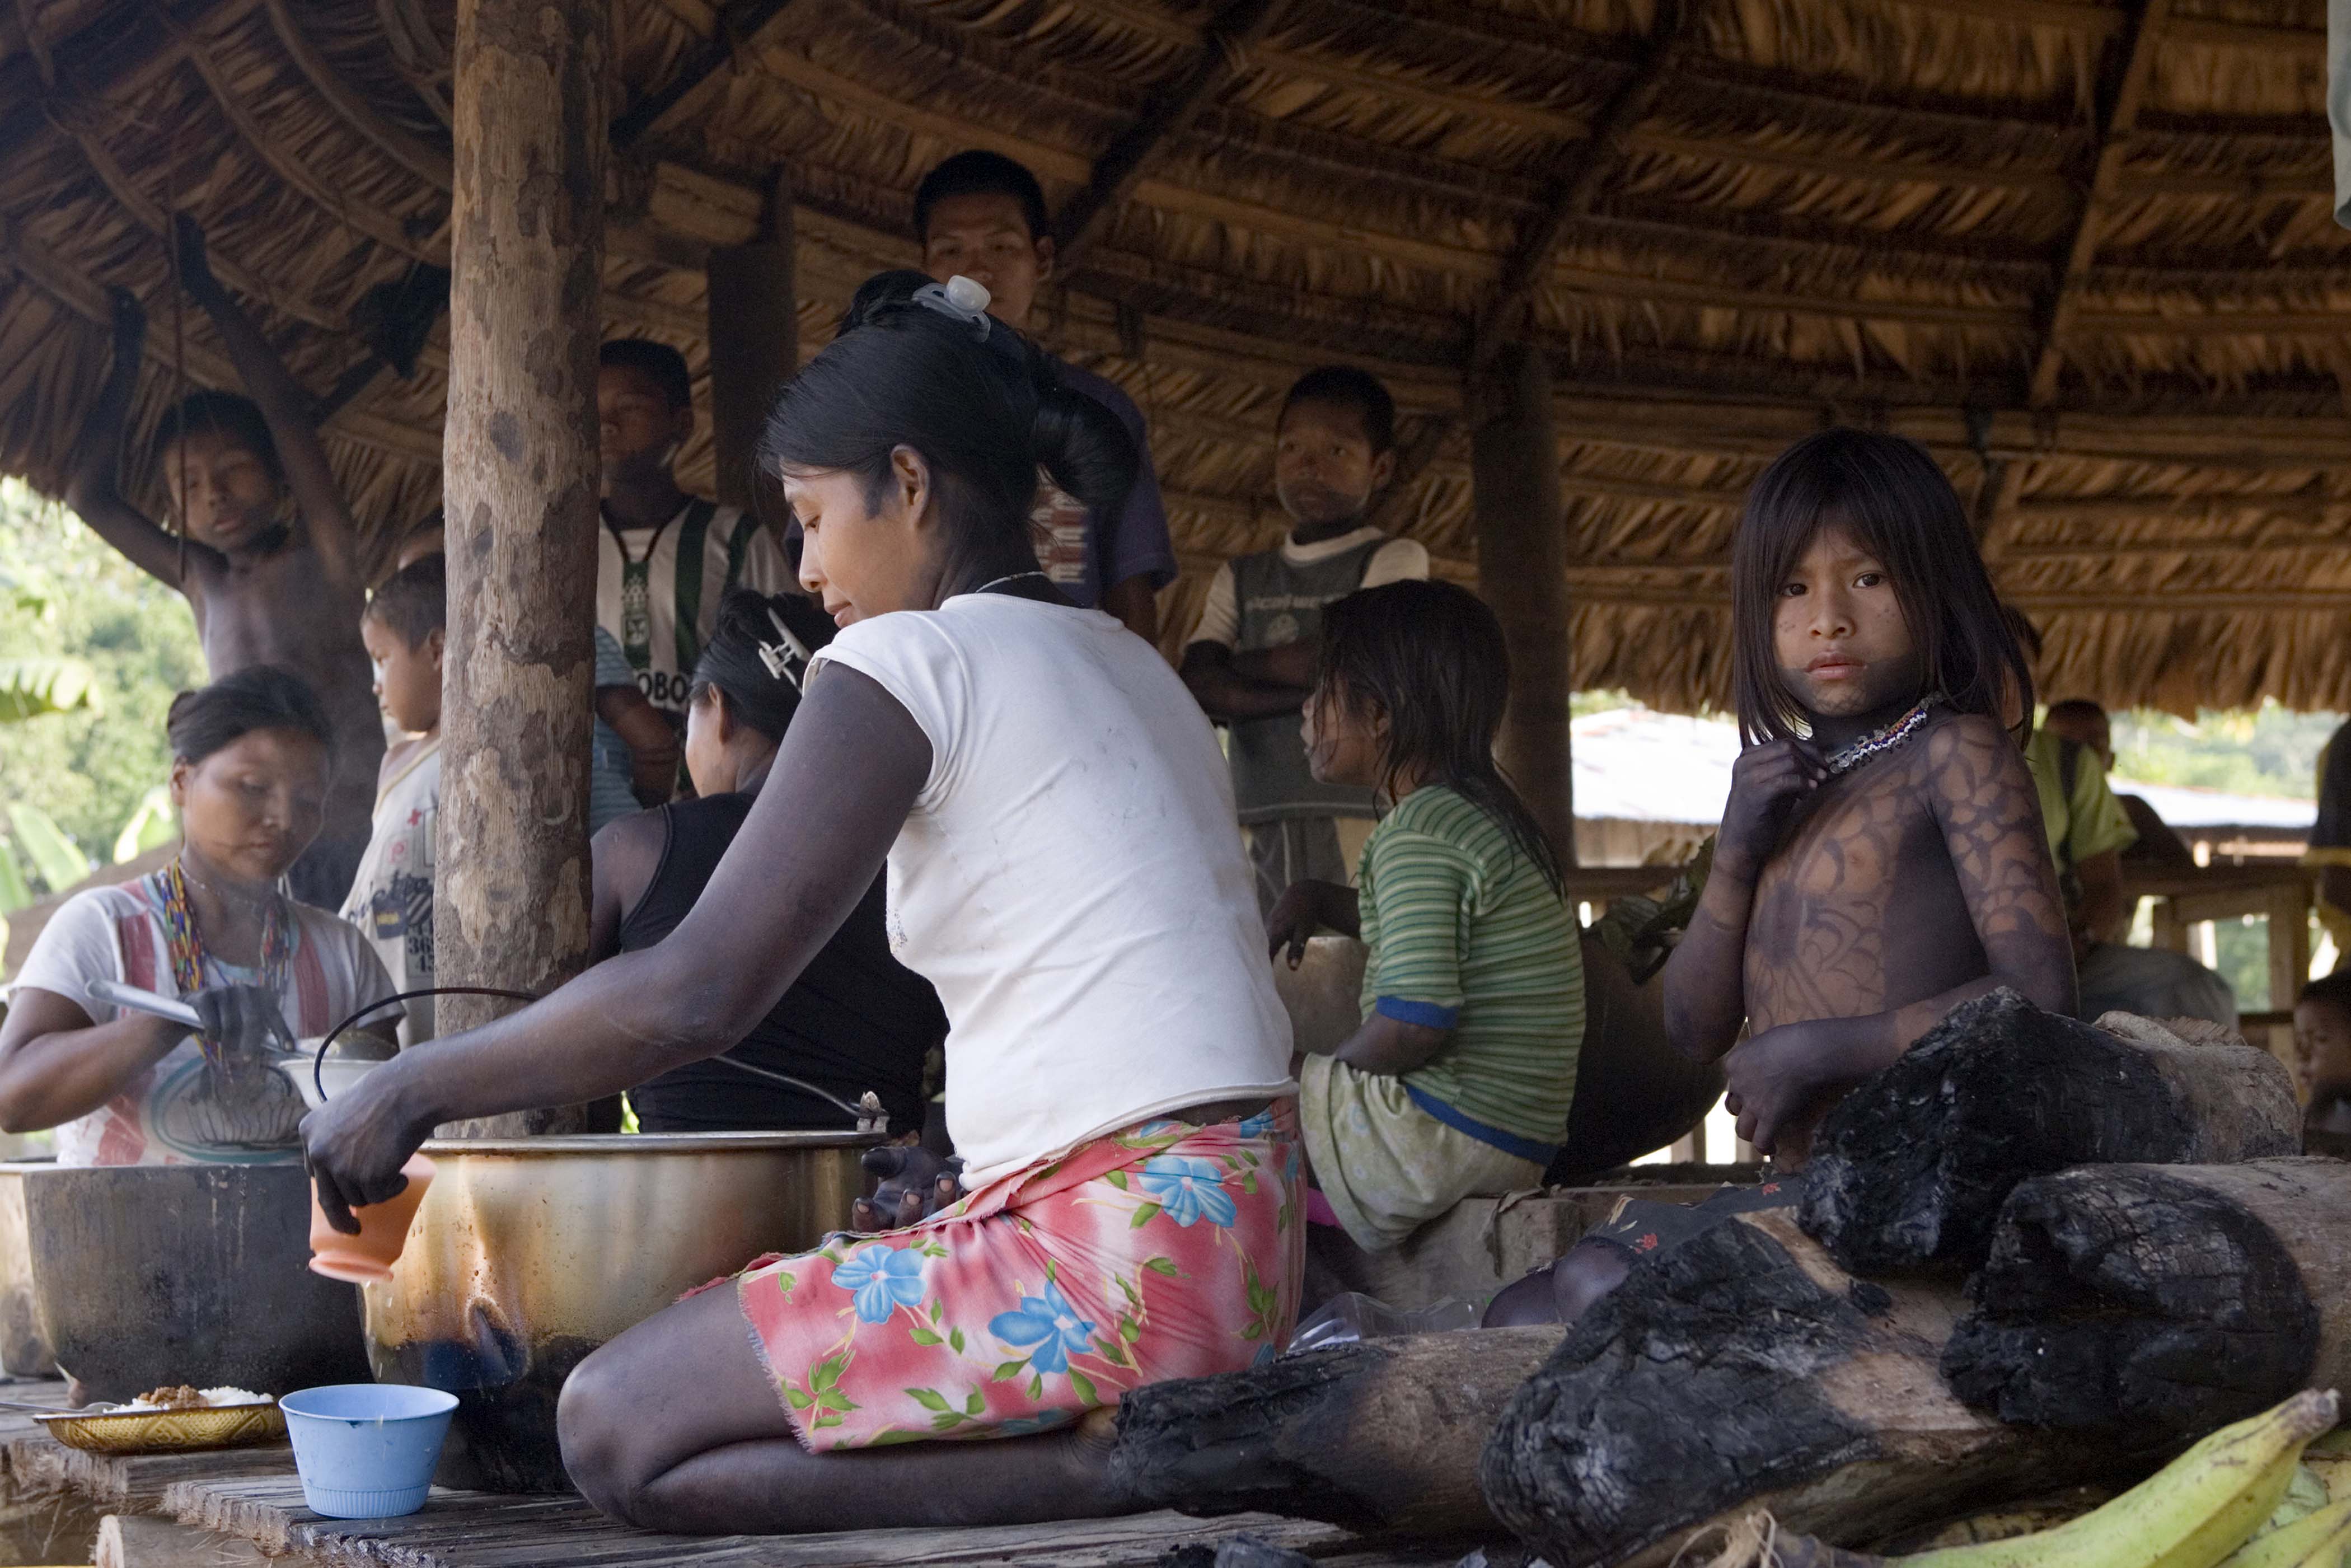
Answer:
(843, 783)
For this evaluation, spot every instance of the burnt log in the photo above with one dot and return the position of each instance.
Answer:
(1743, 1370)
(1910, 1170)
(2161, 1300)
(1382, 1434)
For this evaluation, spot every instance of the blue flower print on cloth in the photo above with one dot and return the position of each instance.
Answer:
(1050, 1324)
(882, 1279)
(1052, 1291)
(1188, 1190)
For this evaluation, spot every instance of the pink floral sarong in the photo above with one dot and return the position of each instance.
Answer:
(1166, 1251)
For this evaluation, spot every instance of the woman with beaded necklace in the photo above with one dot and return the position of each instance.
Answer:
(252, 756)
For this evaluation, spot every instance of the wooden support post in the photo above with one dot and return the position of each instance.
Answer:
(512, 898)
(1523, 574)
(755, 340)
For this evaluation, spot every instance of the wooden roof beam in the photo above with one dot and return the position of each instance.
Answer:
(2121, 88)
(75, 291)
(368, 219)
(111, 57)
(743, 27)
(427, 161)
(2121, 93)
(1578, 173)
(1168, 114)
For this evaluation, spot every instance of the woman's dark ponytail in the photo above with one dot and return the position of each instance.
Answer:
(983, 406)
(1081, 444)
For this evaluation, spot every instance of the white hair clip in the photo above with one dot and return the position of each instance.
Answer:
(964, 299)
(780, 657)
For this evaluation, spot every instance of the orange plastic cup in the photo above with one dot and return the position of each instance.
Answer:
(383, 1230)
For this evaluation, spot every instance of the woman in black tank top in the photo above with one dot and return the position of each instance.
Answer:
(856, 1020)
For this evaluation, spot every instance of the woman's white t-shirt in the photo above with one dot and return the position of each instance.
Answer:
(1070, 878)
(167, 1116)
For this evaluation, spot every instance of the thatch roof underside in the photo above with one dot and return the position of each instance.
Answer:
(2082, 250)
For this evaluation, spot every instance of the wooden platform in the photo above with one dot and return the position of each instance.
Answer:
(252, 1494)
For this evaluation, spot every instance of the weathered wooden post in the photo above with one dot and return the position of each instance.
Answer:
(512, 895)
(755, 340)
(1523, 574)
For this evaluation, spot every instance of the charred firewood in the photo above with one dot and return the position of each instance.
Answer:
(1910, 1171)
(2161, 1300)
(1743, 1370)
(1384, 1433)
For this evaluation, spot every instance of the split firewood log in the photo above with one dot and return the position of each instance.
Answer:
(1910, 1171)
(1744, 1370)
(1384, 1433)
(2161, 1300)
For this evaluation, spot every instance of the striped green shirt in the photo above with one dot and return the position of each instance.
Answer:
(1464, 935)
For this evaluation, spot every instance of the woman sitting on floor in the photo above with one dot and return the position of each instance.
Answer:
(1460, 1080)
(251, 759)
(856, 1020)
(1059, 829)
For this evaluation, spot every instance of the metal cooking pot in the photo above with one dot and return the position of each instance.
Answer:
(529, 1254)
(145, 1275)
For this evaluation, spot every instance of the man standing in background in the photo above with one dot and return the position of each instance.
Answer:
(982, 215)
(665, 558)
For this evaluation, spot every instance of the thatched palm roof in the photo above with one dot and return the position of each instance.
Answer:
(2081, 249)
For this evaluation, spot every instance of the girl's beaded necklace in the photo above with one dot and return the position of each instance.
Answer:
(186, 946)
(1879, 741)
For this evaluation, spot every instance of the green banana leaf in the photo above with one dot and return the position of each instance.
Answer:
(31, 687)
(14, 891)
(150, 826)
(58, 858)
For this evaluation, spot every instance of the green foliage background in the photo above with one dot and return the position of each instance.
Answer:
(63, 592)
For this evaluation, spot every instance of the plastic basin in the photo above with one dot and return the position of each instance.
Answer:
(366, 1450)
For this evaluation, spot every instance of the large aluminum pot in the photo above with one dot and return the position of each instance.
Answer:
(145, 1275)
(529, 1254)
(24, 1349)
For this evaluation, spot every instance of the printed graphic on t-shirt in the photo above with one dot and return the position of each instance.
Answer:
(1059, 524)
(401, 910)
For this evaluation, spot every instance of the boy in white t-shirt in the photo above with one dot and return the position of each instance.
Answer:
(1250, 661)
(390, 900)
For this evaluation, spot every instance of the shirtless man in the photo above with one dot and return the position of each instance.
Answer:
(1881, 859)
(270, 583)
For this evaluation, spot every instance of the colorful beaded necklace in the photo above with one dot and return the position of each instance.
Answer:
(186, 946)
(1879, 741)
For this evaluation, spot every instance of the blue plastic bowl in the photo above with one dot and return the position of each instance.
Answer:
(366, 1450)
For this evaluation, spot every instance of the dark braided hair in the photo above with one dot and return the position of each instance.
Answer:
(1430, 656)
(731, 663)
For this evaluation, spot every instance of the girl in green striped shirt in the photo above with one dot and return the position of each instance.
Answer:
(1459, 1078)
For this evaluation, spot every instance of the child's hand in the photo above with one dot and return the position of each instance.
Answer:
(1296, 916)
(1765, 782)
(194, 263)
(915, 1185)
(129, 325)
(1777, 1081)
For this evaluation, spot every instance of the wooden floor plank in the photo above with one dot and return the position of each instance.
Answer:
(477, 1531)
